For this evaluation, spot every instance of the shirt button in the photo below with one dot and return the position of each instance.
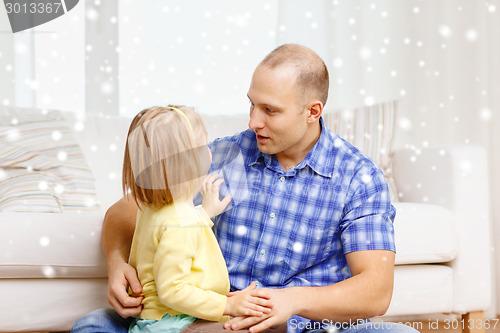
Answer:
(272, 215)
(262, 252)
(256, 283)
(282, 179)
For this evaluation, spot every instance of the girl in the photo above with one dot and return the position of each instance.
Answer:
(177, 258)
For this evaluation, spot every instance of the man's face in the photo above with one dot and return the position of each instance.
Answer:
(277, 115)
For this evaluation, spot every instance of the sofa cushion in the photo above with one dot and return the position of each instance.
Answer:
(421, 289)
(28, 192)
(424, 233)
(51, 245)
(40, 157)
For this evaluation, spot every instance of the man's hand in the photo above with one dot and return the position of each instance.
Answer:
(283, 302)
(210, 191)
(119, 278)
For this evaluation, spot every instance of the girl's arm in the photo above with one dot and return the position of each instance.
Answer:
(172, 267)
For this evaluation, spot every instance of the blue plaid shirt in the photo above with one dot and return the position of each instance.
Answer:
(293, 228)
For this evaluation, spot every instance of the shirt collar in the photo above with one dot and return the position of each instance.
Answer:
(318, 158)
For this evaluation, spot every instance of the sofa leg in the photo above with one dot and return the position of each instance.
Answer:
(473, 322)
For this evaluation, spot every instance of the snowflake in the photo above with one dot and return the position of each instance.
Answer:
(365, 53)
(471, 35)
(241, 230)
(79, 126)
(107, 88)
(485, 114)
(43, 185)
(338, 63)
(445, 31)
(366, 179)
(48, 271)
(62, 156)
(405, 124)
(466, 166)
(90, 202)
(298, 247)
(56, 135)
(92, 14)
(44, 241)
(59, 188)
(21, 48)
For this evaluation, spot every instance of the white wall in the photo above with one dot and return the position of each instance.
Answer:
(202, 54)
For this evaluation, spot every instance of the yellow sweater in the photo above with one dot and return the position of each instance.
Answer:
(179, 263)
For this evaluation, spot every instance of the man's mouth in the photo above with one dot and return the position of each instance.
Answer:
(261, 138)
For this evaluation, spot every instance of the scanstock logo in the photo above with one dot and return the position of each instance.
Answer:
(24, 14)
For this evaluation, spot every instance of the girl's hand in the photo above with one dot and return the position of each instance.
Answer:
(248, 302)
(210, 191)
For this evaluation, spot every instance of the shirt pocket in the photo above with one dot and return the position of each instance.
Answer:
(310, 243)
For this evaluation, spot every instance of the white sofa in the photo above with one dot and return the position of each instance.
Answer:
(442, 235)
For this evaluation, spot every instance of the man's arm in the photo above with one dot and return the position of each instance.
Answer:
(366, 294)
(117, 232)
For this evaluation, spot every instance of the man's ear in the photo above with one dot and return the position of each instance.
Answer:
(315, 109)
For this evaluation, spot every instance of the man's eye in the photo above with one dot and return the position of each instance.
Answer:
(270, 111)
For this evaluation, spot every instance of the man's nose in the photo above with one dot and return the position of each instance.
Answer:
(256, 121)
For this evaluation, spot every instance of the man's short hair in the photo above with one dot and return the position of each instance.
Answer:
(312, 75)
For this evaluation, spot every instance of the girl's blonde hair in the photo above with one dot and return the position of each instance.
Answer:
(165, 155)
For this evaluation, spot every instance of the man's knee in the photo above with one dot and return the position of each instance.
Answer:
(101, 321)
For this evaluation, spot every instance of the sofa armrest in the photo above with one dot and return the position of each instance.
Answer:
(455, 177)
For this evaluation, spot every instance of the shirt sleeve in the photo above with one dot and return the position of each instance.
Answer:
(172, 267)
(368, 216)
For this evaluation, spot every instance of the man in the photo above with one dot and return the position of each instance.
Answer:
(315, 226)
